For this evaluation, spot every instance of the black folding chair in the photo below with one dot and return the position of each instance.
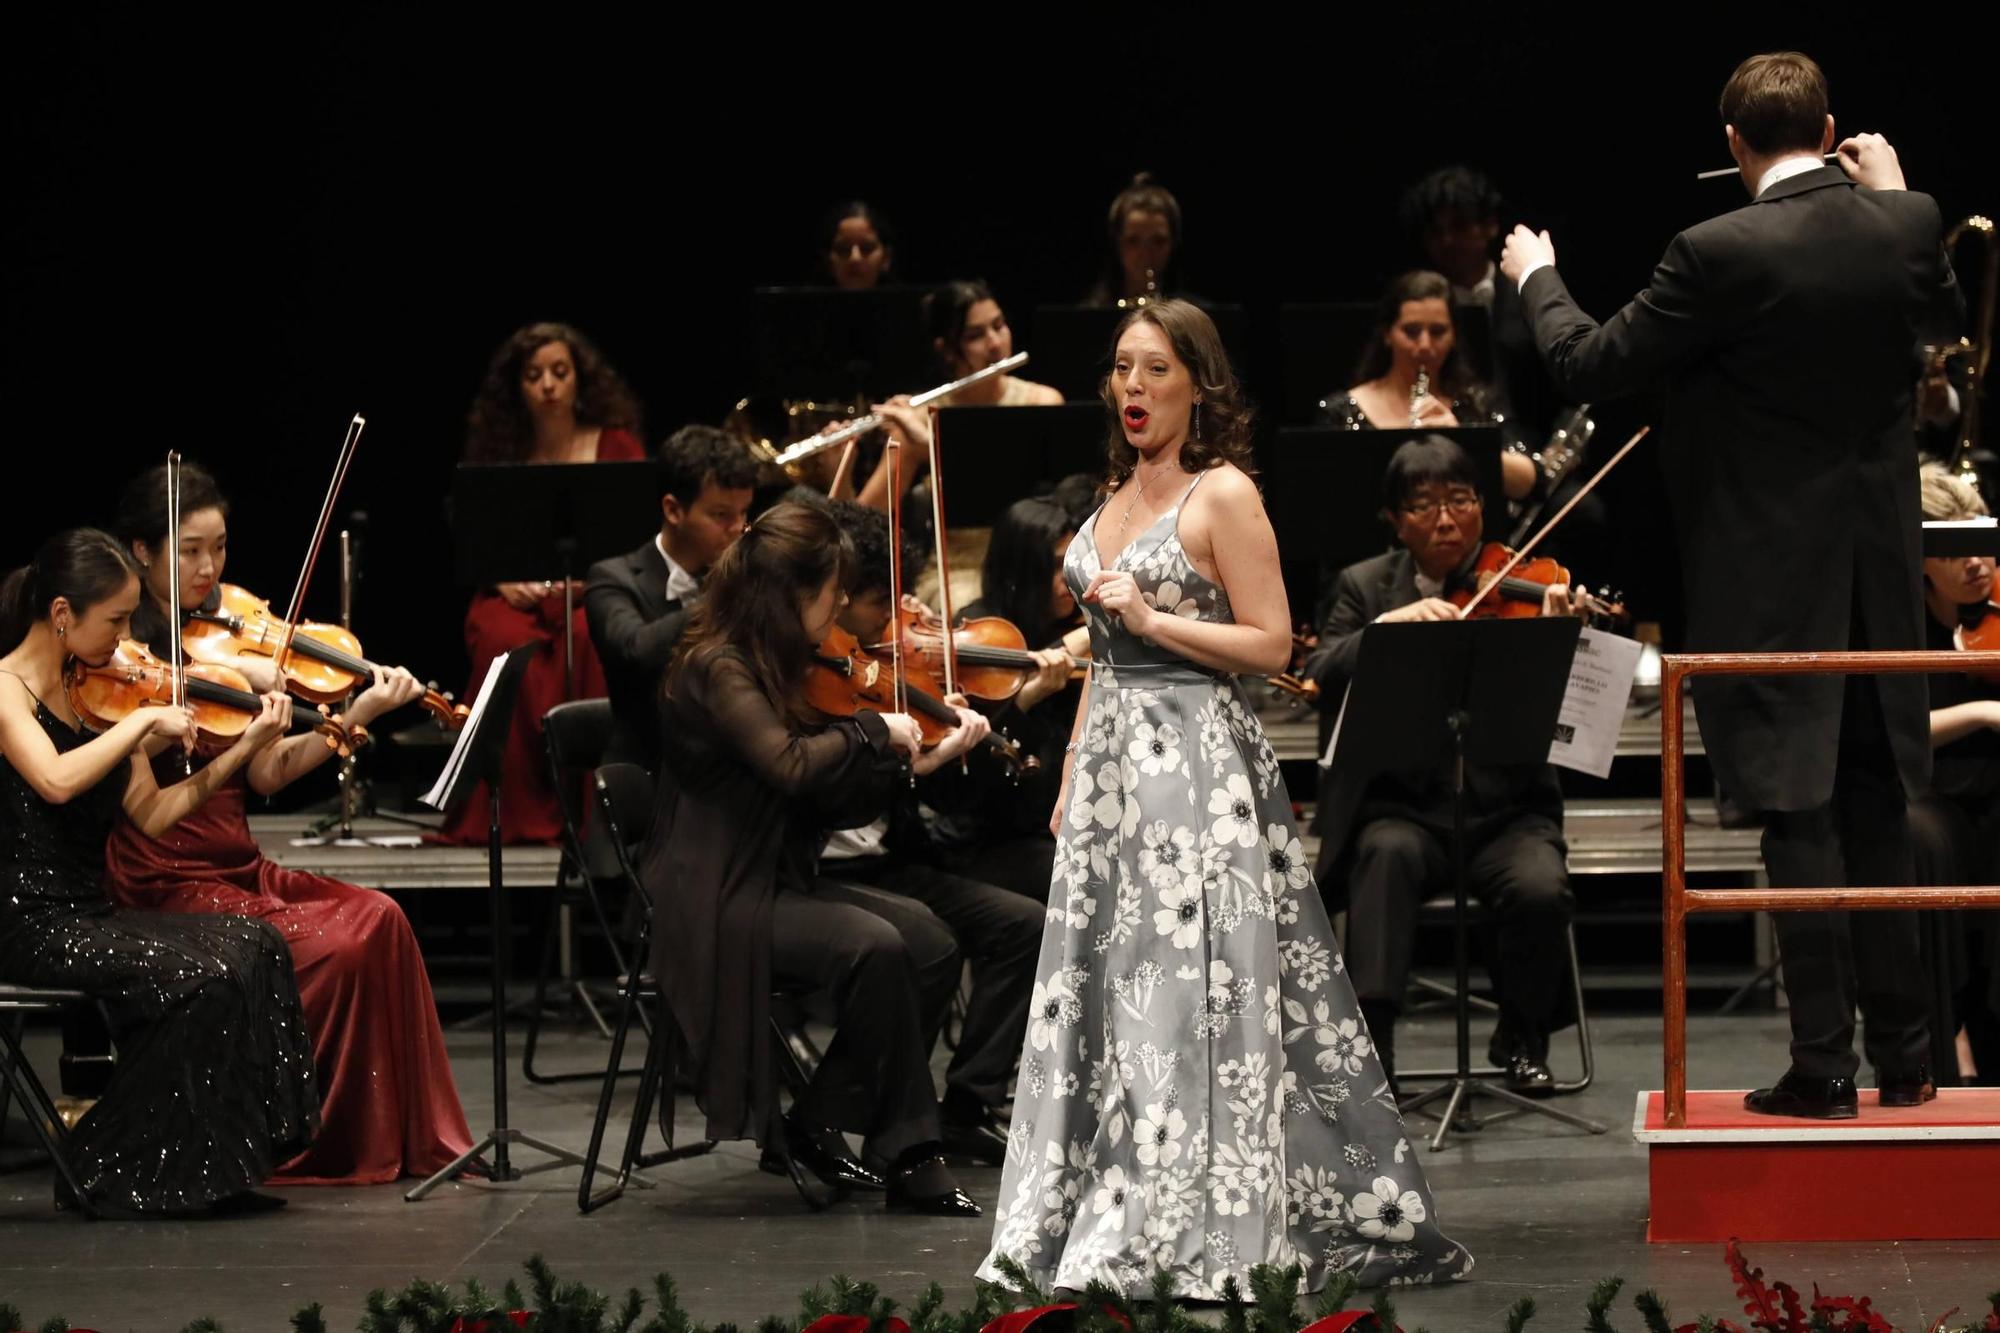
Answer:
(575, 734)
(19, 1083)
(625, 795)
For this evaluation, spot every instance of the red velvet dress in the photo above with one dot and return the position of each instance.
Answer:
(528, 809)
(389, 1107)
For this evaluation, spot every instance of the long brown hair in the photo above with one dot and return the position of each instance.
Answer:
(1225, 417)
(498, 429)
(750, 603)
(1376, 358)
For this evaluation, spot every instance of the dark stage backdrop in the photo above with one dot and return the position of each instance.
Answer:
(226, 236)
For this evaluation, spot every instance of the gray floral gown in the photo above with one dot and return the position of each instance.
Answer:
(1197, 1091)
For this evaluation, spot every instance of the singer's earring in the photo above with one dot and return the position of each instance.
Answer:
(1197, 421)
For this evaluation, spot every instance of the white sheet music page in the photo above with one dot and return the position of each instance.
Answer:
(435, 797)
(1593, 708)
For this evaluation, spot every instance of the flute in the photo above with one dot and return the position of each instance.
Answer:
(818, 444)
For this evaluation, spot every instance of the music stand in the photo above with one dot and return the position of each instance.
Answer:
(517, 522)
(1321, 342)
(825, 343)
(479, 756)
(996, 455)
(1478, 691)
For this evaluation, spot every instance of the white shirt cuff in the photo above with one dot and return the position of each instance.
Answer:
(1530, 272)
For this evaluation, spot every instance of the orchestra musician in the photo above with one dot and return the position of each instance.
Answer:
(860, 247)
(549, 396)
(1385, 843)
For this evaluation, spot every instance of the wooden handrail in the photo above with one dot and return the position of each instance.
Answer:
(1678, 900)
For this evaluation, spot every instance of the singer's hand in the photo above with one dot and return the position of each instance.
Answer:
(1525, 250)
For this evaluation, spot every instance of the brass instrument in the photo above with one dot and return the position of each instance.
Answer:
(792, 455)
(767, 425)
(1974, 351)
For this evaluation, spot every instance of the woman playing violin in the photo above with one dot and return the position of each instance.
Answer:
(549, 396)
(213, 1087)
(752, 778)
(1955, 826)
(390, 1106)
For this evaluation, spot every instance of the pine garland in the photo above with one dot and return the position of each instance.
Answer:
(1272, 1306)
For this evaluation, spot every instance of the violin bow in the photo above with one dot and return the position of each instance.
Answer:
(176, 669)
(942, 554)
(297, 606)
(900, 685)
(1549, 526)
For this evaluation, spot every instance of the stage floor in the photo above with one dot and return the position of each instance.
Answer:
(1546, 1209)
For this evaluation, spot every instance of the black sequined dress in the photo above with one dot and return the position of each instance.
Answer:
(213, 1085)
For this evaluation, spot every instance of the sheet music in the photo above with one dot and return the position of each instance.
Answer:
(448, 779)
(1593, 708)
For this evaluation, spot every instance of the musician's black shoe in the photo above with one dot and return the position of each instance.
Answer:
(1914, 1090)
(245, 1204)
(1530, 1077)
(1807, 1098)
(981, 1138)
(824, 1153)
(923, 1184)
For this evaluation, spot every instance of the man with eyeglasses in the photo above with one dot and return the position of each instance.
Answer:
(1385, 843)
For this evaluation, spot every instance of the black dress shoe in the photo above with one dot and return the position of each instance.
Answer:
(982, 1140)
(926, 1186)
(1530, 1077)
(1914, 1090)
(1806, 1098)
(246, 1204)
(824, 1153)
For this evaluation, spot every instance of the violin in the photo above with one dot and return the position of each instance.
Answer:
(842, 680)
(1520, 593)
(220, 698)
(992, 653)
(324, 664)
(1982, 636)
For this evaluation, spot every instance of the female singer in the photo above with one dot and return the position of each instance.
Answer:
(549, 397)
(213, 1086)
(969, 332)
(1002, 836)
(859, 247)
(1955, 826)
(1144, 231)
(753, 777)
(389, 1105)
(1198, 1093)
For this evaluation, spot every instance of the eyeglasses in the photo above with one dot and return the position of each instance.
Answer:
(1462, 505)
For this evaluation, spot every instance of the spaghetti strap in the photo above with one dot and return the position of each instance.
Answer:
(25, 685)
(1190, 490)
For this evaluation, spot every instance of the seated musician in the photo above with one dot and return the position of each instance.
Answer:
(1002, 835)
(549, 396)
(1415, 332)
(998, 931)
(639, 603)
(752, 774)
(969, 332)
(1141, 262)
(1387, 842)
(859, 247)
(1955, 826)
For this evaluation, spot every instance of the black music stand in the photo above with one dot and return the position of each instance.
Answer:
(996, 455)
(516, 522)
(1477, 691)
(480, 755)
(825, 343)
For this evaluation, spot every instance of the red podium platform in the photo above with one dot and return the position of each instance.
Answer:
(1928, 1172)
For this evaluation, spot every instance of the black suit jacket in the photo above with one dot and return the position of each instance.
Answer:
(1494, 793)
(1783, 332)
(635, 629)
